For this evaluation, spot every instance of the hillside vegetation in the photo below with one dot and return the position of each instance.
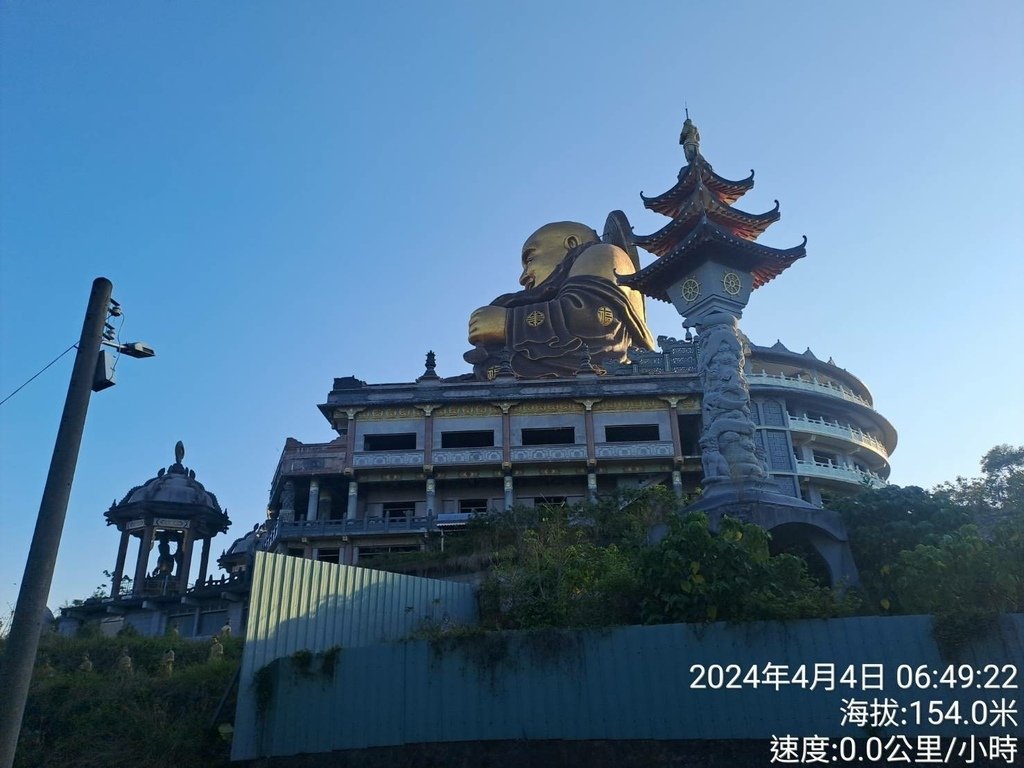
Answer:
(108, 717)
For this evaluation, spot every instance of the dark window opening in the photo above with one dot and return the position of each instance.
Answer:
(631, 433)
(294, 552)
(474, 439)
(328, 555)
(399, 510)
(473, 506)
(689, 434)
(550, 436)
(826, 458)
(405, 442)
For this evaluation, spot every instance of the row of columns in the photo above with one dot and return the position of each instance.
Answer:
(142, 561)
(506, 433)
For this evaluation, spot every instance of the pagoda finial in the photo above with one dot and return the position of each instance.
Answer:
(179, 452)
(430, 372)
(690, 139)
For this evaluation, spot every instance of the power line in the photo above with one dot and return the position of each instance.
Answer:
(58, 357)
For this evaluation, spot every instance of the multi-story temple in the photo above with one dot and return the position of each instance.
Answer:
(568, 399)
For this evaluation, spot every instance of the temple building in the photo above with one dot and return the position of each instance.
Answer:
(570, 398)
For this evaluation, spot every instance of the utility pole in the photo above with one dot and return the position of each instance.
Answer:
(23, 641)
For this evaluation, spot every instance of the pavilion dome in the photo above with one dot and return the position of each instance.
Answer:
(174, 489)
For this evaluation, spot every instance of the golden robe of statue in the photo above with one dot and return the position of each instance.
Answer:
(570, 299)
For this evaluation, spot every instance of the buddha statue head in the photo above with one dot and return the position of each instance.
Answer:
(546, 248)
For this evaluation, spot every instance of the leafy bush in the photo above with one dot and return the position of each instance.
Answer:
(77, 719)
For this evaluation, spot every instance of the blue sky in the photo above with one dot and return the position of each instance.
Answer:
(284, 192)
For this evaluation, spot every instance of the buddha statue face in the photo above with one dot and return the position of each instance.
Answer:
(545, 249)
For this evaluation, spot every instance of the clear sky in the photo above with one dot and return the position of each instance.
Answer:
(285, 192)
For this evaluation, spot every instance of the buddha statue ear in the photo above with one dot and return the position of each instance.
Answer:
(571, 242)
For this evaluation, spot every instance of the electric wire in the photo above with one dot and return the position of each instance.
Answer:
(58, 357)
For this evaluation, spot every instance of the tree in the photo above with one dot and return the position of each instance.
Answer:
(694, 574)
(998, 495)
(883, 523)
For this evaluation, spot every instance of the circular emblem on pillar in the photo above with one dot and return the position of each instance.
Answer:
(691, 289)
(731, 283)
(492, 372)
(534, 319)
(605, 315)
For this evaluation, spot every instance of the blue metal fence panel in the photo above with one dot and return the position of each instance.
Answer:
(298, 604)
(623, 683)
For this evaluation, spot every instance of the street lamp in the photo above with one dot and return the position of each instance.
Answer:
(23, 640)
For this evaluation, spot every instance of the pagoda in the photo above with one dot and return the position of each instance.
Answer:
(708, 263)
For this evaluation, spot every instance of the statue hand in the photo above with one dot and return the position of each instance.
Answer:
(487, 325)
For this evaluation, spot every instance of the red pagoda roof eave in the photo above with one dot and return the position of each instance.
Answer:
(747, 225)
(729, 190)
(769, 262)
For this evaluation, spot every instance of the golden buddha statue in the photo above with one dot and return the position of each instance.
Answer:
(571, 304)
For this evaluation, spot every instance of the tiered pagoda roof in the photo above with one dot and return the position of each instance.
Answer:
(705, 226)
(728, 191)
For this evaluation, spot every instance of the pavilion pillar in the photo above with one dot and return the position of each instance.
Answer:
(122, 553)
(592, 487)
(145, 544)
(353, 495)
(673, 421)
(428, 436)
(431, 493)
(314, 500)
(186, 559)
(204, 560)
(287, 511)
(350, 439)
(509, 494)
(677, 483)
(506, 435)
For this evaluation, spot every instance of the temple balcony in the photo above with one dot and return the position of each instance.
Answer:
(446, 456)
(549, 453)
(368, 459)
(807, 385)
(829, 471)
(836, 429)
(298, 529)
(660, 449)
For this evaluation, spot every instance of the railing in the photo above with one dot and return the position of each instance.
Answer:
(846, 431)
(549, 453)
(387, 459)
(836, 472)
(443, 456)
(811, 385)
(328, 528)
(638, 450)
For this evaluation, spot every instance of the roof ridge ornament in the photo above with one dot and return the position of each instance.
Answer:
(177, 468)
(689, 137)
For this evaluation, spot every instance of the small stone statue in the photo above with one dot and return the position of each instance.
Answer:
(225, 631)
(167, 663)
(124, 664)
(86, 665)
(690, 139)
(216, 651)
